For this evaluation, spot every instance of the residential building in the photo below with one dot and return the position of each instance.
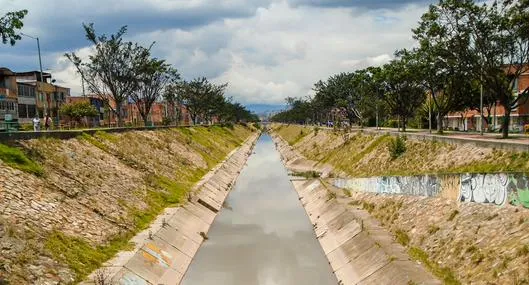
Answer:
(27, 102)
(470, 120)
(49, 96)
(8, 96)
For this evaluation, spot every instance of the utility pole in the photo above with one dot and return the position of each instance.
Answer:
(481, 103)
(40, 65)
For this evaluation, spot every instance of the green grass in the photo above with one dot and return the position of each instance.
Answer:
(94, 141)
(17, 159)
(443, 273)
(81, 256)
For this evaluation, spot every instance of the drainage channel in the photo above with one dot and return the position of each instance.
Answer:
(262, 235)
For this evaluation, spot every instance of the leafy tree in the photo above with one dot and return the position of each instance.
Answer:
(201, 98)
(444, 60)
(113, 70)
(9, 24)
(339, 92)
(501, 40)
(78, 111)
(154, 77)
(172, 96)
(402, 91)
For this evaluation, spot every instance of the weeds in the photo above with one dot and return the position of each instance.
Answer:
(453, 215)
(307, 174)
(402, 237)
(432, 229)
(17, 159)
(443, 273)
(397, 147)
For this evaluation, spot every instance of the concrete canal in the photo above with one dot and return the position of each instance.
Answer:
(262, 235)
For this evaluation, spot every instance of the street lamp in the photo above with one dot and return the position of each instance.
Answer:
(40, 60)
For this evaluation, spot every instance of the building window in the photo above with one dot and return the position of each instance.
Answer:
(22, 111)
(32, 111)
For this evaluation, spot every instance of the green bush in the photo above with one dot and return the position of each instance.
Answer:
(391, 124)
(15, 158)
(397, 147)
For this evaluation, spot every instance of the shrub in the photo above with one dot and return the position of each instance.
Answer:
(397, 147)
(391, 124)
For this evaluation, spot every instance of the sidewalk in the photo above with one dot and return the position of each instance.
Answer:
(490, 137)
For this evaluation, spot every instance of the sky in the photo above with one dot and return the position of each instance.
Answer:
(266, 50)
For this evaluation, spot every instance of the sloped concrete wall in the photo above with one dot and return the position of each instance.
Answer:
(163, 252)
(358, 249)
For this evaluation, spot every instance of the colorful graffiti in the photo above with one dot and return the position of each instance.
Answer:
(519, 190)
(498, 189)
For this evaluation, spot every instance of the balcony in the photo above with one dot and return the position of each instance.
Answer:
(4, 93)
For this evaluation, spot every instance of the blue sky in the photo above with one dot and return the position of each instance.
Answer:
(265, 49)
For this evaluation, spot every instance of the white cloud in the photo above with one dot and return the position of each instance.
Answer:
(281, 50)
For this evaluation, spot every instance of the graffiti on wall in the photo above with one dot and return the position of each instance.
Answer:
(519, 190)
(404, 185)
(498, 189)
(484, 188)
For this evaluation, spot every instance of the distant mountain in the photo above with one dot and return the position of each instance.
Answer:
(265, 109)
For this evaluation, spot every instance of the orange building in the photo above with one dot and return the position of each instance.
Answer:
(471, 120)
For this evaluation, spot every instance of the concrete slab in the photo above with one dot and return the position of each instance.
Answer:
(127, 277)
(171, 277)
(399, 273)
(200, 211)
(189, 224)
(178, 240)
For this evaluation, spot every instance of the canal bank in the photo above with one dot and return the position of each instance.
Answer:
(262, 235)
(162, 253)
(358, 248)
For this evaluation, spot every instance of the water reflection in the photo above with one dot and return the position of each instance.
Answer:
(265, 237)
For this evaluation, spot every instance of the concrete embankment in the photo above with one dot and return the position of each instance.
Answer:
(359, 250)
(69, 205)
(464, 228)
(164, 251)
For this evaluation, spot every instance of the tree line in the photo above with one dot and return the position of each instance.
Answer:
(120, 71)
(464, 51)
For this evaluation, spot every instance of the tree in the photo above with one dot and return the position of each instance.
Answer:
(201, 98)
(154, 76)
(402, 91)
(339, 91)
(501, 40)
(444, 60)
(9, 24)
(113, 70)
(172, 96)
(78, 111)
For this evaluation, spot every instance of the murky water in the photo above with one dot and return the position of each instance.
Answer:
(263, 236)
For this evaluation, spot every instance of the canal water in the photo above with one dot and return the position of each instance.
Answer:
(262, 235)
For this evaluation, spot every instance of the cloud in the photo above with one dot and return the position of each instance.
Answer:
(265, 49)
(368, 4)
